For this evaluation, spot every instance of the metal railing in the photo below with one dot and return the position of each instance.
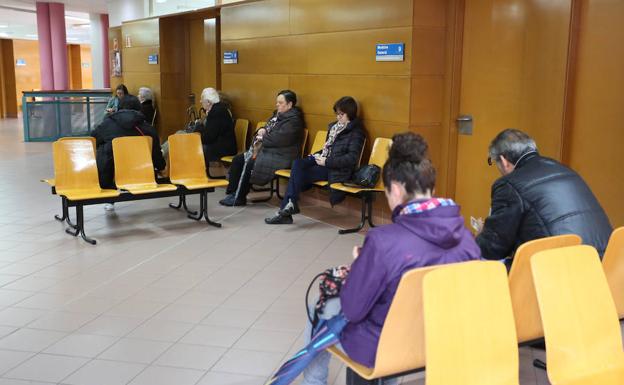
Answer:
(49, 115)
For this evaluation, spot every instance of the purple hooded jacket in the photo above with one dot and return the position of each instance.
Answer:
(433, 237)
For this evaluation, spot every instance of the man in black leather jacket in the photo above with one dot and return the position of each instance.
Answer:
(537, 197)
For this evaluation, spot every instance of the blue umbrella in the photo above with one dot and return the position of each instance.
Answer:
(327, 334)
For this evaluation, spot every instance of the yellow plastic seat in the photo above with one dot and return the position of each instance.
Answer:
(613, 264)
(470, 335)
(240, 131)
(134, 169)
(401, 343)
(581, 328)
(75, 171)
(378, 157)
(186, 164)
(523, 297)
(50, 181)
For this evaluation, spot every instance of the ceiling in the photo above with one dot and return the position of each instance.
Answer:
(18, 19)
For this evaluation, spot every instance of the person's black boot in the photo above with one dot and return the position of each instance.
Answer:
(279, 219)
(290, 209)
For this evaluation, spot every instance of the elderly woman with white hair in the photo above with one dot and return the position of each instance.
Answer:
(217, 129)
(147, 106)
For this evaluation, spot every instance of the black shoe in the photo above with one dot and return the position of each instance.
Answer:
(279, 219)
(240, 202)
(227, 201)
(291, 208)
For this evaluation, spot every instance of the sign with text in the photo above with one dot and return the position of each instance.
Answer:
(20, 62)
(230, 57)
(390, 52)
(152, 59)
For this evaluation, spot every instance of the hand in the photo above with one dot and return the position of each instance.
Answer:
(261, 132)
(477, 224)
(356, 251)
(320, 160)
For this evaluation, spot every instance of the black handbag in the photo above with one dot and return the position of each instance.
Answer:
(366, 176)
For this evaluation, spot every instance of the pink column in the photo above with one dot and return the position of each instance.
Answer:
(45, 46)
(59, 46)
(105, 52)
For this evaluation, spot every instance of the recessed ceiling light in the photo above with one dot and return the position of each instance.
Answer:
(161, 1)
(4, 26)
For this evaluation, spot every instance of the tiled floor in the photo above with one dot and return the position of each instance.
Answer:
(161, 300)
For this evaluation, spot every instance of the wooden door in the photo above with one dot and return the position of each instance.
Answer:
(513, 76)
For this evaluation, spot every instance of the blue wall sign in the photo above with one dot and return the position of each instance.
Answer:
(20, 62)
(152, 59)
(230, 57)
(390, 52)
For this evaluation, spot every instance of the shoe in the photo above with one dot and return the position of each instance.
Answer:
(279, 219)
(109, 206)
(290, 209)
(229, 201)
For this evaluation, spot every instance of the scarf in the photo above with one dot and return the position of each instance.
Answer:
(336, 129)
(430, 204)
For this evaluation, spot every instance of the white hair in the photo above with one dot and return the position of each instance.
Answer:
(145, 93)
(211, 95)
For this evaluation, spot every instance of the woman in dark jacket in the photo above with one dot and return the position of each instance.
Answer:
(280, 142)
(217, 130)
(335, 163)
(147, 105)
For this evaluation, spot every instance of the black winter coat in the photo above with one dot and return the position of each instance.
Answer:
(147, 109)
(279, 147)
(217, 133)
(541, 198)
(118, 124)
(345, 152)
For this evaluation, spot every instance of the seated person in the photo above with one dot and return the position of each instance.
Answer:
(113, 102)
(217, 129)
(335, 163)
(147, 105)
(280, 142)
(425, 231)
(128, 121)
(537, 197)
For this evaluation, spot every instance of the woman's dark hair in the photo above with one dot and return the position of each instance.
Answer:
(130, 102)
(123, 88)
(289, 95)
(408, 164)
(347, 105)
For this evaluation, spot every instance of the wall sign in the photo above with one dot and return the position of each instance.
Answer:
(390, 52)
(230, 57)
(20, 63)
(152, 59)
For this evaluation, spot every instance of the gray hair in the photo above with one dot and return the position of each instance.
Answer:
(145, 93)
(211, 95)
(512, 144)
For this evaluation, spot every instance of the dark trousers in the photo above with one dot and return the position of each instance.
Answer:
(236, 170)
(304, 172)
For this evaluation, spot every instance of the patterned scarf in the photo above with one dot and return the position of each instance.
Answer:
(333, 133)
(420, 207)
(270, 124)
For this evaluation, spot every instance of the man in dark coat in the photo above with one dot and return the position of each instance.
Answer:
(128, 121)
(537, 197)
(217, 133)
(280, 140)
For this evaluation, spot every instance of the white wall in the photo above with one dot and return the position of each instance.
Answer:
(125, 10)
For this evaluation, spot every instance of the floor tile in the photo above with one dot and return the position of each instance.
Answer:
(220, 378)
(232, 317)
(100, 372)
(191, 356)
(184, 313)
(161, 330)
(47, 367)
(81, 345)
(157, 375)
(62, 321)
(213, 335)
(249, 362)
(30, 340)
(135, 350)
(111, 326)
(136, 308)
(10, 359)
(266, 341)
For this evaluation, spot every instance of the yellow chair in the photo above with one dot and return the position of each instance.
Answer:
(50, 181)
(187, 169)
(76, 178)
(581, 328)
(240, 130)
(134, 169)
(523, 297)
(401, 346)
(613, 263)
(379, 155)
(470, 336)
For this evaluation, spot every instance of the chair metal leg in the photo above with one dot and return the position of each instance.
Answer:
(277, 189)
(182, 203)
(362, 221)
(65, 217)
(539, 364)
(271, 190)
(195, 215)
(210, 222)
(203, 210)
(79, 229)
(369, 203)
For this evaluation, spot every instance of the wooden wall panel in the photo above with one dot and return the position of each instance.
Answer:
(86, 66)
(263, 55)
(7, 80)
(136, 59)
(261, 19)
(251, 91)
(74, 67)
(143, 33)
(594, 142)
(28, 77)
(203, 55)
(313, 16)
(427, 98)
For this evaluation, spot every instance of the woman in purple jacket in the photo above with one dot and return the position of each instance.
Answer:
(425, 231)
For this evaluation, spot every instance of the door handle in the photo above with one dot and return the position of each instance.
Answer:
(464, 124)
